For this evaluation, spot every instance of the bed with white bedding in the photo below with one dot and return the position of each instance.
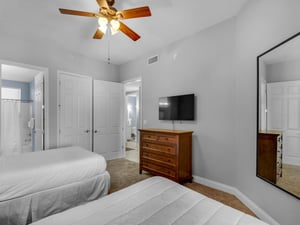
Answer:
(38, 184)
(155, 201)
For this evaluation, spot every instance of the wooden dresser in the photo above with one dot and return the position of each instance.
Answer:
(269, 155)
(166, 153)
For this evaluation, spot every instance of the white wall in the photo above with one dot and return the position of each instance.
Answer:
(201, 64)
(260, 25)
(219, 66)
(54, 58)
(284, 71)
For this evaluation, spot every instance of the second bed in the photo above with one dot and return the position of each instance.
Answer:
(155, 201)
(38, 184)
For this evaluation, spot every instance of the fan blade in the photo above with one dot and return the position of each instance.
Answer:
(103, 4)
(130, 33)
(98, 35)
(134, 13)
(78, 13)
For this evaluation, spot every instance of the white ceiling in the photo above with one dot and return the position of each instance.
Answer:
(40, 20)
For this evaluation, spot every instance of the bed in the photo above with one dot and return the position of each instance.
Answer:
(38, 184)
(154, 201)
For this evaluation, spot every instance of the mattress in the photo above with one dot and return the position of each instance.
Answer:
(155, 201)
(28, 173)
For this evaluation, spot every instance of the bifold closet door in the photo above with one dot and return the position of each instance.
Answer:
(75, 110)
(108, 118)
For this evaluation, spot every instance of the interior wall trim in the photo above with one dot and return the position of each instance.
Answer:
(237, 193)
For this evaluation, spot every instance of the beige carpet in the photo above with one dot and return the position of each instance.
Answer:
(290, 179)
(124, 173)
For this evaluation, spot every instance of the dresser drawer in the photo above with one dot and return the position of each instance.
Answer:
(159, 148)
(159, 169)
(167, 139)
(149, 137)
(165, 159)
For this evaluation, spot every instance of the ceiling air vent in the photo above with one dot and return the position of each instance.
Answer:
(153, 59)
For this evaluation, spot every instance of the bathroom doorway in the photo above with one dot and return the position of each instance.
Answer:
(22, 109)
(132, 109)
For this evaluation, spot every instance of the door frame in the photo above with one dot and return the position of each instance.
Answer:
(59, 73)
(140, 115)
(45, 72)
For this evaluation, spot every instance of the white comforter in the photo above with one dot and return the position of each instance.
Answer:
(28, 173)
(155, 201)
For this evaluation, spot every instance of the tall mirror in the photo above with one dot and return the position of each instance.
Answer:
(278, 115)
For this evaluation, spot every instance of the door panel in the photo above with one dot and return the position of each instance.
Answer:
(75, 110)
(293, 107)
(108, 117)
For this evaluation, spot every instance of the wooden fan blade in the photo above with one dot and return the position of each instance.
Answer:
(130, 33)
(78, 13)
(98, 35)
(103, 4)
(134, 13)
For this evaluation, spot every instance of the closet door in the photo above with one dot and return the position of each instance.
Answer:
(108, 118)
(291, 141)
(75, 110)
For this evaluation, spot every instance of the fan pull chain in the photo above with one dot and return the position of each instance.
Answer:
(108, 50)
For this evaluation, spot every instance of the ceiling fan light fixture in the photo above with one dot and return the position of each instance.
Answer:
(110, 18)
(102, 21)
(103, 29)
(115, 24)
(114, 28)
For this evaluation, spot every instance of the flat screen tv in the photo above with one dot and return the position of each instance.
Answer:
(181, 107)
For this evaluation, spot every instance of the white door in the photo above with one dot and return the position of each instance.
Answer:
(108, 119)
(284, 115)
(291, 138)
(38, 131)
(275, 107)
(75, 110)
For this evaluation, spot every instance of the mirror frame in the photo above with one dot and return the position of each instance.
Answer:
(258, 113)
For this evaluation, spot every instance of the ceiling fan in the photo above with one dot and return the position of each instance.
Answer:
(109, 17)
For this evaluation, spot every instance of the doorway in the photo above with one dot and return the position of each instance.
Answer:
(133, 115)
(22, 108)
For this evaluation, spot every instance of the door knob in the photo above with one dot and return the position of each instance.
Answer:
(96, 131)
(87, 131)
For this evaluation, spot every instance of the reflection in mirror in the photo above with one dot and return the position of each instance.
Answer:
(278, 138)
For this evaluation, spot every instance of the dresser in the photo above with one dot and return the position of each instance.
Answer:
(166, 153)
(269, 155)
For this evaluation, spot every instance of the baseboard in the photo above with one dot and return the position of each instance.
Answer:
(243, 198)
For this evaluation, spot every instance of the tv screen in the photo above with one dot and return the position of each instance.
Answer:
(179, 107)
